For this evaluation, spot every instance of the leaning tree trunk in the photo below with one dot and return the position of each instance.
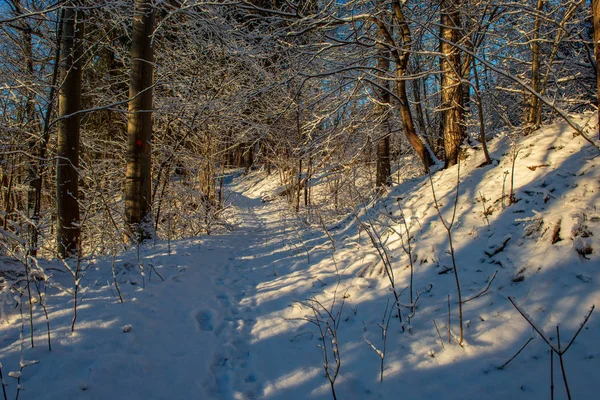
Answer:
(69, 103)
(451, 87)
(138, 207)
(383, 177)
(401, 59)
(596, 18)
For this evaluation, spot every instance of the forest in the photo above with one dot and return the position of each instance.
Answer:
(244, 199)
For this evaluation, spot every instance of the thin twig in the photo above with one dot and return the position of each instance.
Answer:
(551, 374)
(449, 335)
(439, 334)
(517, 353)
(112, 267)
(2, 383)
(587, 317)
(562, 364)
(484, 290)
(527, 318)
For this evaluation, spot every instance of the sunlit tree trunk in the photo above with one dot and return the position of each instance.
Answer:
(451, 87)
(532, 108)
(69, 103)
(401, 58)
(138, 207)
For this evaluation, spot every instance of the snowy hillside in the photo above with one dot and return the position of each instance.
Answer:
(249, 314)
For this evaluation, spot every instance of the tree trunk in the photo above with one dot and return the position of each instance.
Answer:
(138, 207)
(416, 86)
(33, 127)
(401, 59)
(248, 157)
(482, 138)
(451, 87)
(532, 108)
(596, 18)
(37, 167)
(69, 102)
(383, 178)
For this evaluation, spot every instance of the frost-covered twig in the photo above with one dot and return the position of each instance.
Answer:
(76, 274)
(327, 320)
(378, 245)
(19, 374)
(42, 298)
(384, 325)
(323, 226)
(448, 227)
(407, 248)
(112, 268)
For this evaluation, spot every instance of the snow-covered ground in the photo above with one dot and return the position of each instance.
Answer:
(234, 317)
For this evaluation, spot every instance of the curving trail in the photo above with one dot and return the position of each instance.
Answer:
(199, 334)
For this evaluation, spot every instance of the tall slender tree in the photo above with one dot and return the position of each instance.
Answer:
(383, 177)
(138, 207)
(532, 108)
(69, 104)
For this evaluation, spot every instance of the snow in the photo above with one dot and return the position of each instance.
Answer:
(238, 314)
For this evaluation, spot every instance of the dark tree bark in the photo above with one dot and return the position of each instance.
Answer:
(451, 87)
(69, 103)
(532, 106)
(138, 207)
(401, 60)
(416, 86)
(383, 177)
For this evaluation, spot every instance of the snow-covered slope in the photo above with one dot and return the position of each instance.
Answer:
(235, 315)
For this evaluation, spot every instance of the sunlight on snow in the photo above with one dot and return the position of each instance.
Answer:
(295, 378)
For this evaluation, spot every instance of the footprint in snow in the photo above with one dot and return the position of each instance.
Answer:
(224, 299)
(205, 320)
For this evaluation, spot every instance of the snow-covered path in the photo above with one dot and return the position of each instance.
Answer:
(202, 318)
(191, 336)
(229, 321)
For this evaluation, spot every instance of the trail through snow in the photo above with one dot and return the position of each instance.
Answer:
(229, 321)
(206, 322)
(188, 337)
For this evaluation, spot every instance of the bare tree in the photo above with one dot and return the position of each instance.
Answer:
(69, 104)
(383, 178)
(139, 127)
(451, 80)
(532, 108)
